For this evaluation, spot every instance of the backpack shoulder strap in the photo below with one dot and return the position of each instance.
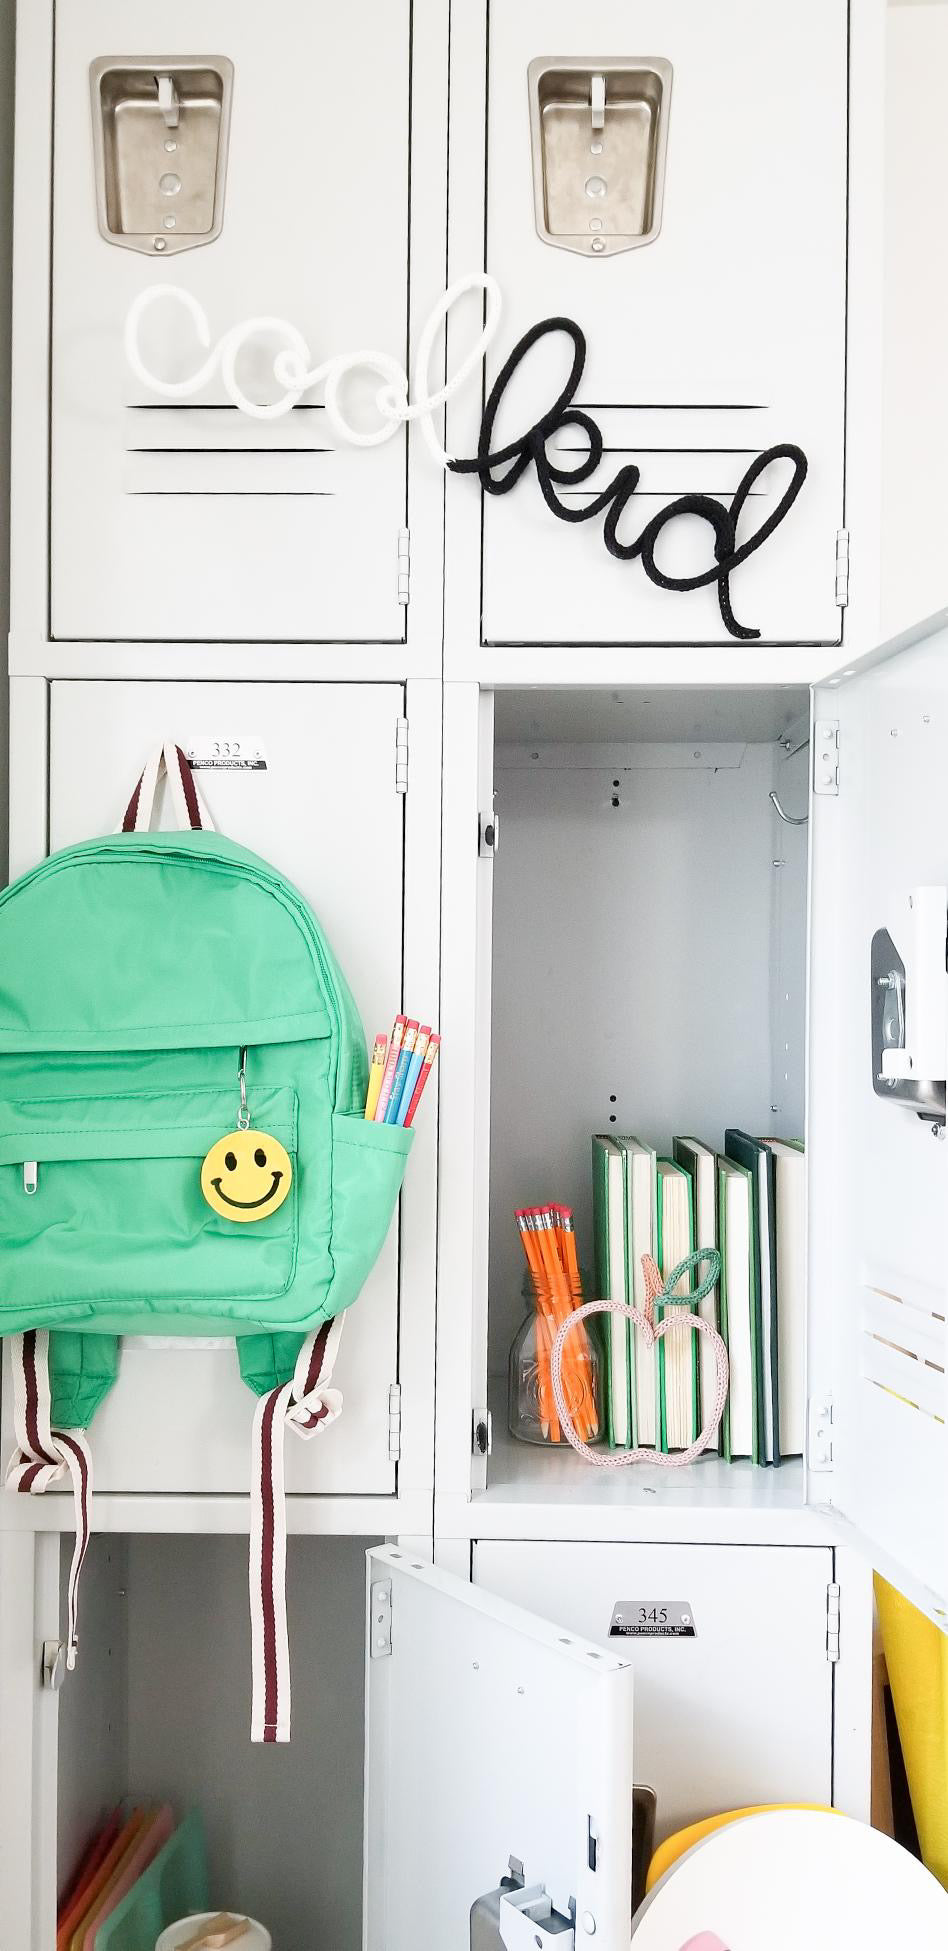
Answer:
(308, 1405)
(43, 1454)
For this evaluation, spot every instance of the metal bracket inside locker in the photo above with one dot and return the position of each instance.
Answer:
(909, 1008)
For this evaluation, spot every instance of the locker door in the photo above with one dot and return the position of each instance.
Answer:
(490, 1734)
(878, 1190)
(738, 1714)
(720, 338)
(179, 1417)
(187, 519)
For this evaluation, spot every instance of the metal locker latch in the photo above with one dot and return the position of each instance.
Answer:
(514, 1918)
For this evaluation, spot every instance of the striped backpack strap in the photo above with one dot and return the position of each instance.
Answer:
(307, 1405)
(188, 802)
(44, 1454)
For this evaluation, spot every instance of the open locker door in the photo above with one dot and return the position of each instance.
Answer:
(877, 1155)
(491, 1735)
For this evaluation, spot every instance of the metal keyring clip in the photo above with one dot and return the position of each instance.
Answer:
(243, 1115)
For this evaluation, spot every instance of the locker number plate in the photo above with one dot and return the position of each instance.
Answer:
(226, 755)
(652, 1619)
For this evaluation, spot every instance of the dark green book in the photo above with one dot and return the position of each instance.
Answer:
(739, 1311)
(759, 1159)
(610, 1265)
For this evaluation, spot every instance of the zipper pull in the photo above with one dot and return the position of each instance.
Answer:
(30, 1176)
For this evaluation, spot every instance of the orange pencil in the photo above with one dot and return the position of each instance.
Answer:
(560, 1309)
(549, 1420)
(548, 1315)
(567, 1232)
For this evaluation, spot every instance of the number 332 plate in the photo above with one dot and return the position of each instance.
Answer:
(652, 1619)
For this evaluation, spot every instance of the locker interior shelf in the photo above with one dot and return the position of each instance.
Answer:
(532, 1492)
(649, 950)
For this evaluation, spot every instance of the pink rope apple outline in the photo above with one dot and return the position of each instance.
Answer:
(680, 1319)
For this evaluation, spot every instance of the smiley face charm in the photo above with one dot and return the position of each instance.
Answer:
(246, 1175)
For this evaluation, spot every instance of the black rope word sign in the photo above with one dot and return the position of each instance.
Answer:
(722, 517)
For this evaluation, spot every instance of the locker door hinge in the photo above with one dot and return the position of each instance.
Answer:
(819, 1448)
(826, 756)
(842, 568)
(380, 1622)
(401, 755)
(404, 565)
(394, 1422)
(832, 1622)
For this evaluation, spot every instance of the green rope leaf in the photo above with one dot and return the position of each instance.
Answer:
(667, 1298)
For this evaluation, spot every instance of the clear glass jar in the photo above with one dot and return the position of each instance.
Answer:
(531, 1412)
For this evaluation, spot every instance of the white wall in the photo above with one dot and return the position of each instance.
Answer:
(915, 488)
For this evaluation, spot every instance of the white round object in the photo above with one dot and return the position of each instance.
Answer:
(254, 1938)
(794, 1880)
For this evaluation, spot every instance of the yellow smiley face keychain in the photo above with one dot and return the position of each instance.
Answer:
(246, 1174)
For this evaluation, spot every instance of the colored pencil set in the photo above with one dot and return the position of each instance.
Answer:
(548, 1236)
(400, 1069)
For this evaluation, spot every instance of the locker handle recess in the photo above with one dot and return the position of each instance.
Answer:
(599, 135)
(160, 131)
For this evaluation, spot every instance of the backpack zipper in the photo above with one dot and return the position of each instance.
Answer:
(31, 1176)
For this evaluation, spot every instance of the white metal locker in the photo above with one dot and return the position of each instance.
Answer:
(877, 1170)
(325, 810)
(490, 1733)
(739, 1714)
(723, 336)
(185, 519)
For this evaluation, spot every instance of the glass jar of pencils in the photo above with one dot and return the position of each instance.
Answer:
(531, 1411)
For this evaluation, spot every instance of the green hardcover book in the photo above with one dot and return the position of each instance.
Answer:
(790, 1187)
(724, 1327)
(698, 1161)
(641, 1227)
(739, 1313)
(751, 1152)
(677, 1353)
(610, 1266)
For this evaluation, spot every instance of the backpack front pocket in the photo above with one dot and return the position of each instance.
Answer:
(368, 1166)
(102, 1216)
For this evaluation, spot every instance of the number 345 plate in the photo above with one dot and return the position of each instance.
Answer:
(652, 1619)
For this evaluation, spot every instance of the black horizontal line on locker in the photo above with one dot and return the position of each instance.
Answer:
(612, 501)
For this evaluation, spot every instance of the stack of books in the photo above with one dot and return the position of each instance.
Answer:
(748, 1202)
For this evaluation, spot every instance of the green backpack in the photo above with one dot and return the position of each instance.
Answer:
(180, 1055)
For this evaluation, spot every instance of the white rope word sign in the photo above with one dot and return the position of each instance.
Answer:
(294, 373)
(498, 469)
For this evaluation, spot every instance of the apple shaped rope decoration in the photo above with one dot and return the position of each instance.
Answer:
(683, 1321)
